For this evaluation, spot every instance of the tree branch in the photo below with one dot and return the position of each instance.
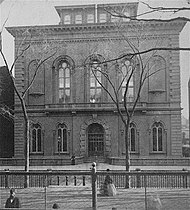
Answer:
(171, 9)
(36, 71)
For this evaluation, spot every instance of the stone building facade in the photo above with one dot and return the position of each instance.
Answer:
(71, 114)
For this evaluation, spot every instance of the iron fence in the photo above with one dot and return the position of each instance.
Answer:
(154, 179)
(46, 185)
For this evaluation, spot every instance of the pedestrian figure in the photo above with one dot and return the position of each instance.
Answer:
(73, 160)
(55, 206)
(154, 203)
(108, 187)
(12, 201)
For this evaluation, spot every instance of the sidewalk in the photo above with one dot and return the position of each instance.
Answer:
(80, 198)
(99, 166)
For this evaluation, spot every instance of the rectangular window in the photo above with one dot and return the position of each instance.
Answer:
(132, 139)
(36, 139)
(62, 141)
(154, 139)
(127, 78)
(103, 18)
(67, 19)
(126, 14)
(159, 139)
(114, 18)
(157, 134)
(90, 18)
(78, 19)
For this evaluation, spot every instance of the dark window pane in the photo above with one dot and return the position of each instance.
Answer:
(132, 139)
(154, 133)
(34, 140)
(39, 140)
(64, 140)
(64, 83)
(160, 139)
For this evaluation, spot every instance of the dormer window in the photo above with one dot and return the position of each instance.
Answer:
(114, 17)
(78, 19)
(90, 18)
(126, 14)
(102, 18)
(67, 19)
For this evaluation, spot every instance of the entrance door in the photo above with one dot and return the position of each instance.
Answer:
(95, 140)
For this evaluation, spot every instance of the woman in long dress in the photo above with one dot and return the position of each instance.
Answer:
(108, 180)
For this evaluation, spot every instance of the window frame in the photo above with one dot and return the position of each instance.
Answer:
(88, 63)
(58, 142)
(67, 19)
(36, 127)
(78, 19)
(102, 18)
(55, 78)
(64, 80)
(133, 126)
(90, 18)
(96, 87)
(124, 79)
(95, 139)
(156, 126)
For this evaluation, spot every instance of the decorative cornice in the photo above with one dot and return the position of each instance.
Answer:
(17, 31)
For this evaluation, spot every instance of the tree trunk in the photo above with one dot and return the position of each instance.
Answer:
(127, 159)
(26, 150)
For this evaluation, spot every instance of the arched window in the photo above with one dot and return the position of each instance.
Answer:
(62, 138)
(157, 71)
(133, 138)
(157, 137)
(64, 84)
(38, 75)
(127, 73)
(36, 140)
(95, 80)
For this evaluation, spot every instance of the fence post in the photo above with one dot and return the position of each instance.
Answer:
(75, 180)
(83, 180)
(184, 179)
(6, 178)
(66, 180)
(138, 178)
(46, 184)
(49, 176)
(58, 180)
(94, 187)
(145, 185)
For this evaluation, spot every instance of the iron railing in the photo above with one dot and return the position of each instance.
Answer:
(94, 179)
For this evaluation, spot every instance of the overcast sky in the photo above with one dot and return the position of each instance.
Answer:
(40, 12)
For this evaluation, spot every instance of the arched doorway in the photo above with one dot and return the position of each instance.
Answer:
(95, 140)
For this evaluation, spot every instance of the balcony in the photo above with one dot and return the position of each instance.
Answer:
(78, 107)
(98, 107)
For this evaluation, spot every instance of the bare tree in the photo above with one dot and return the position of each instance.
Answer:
(40, 55)
(138, 61)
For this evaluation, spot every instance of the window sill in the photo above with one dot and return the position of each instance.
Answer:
(36, 153)
(36, 94)
(157, 153)
(131, 153)
(61, 153)
(156, 91)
